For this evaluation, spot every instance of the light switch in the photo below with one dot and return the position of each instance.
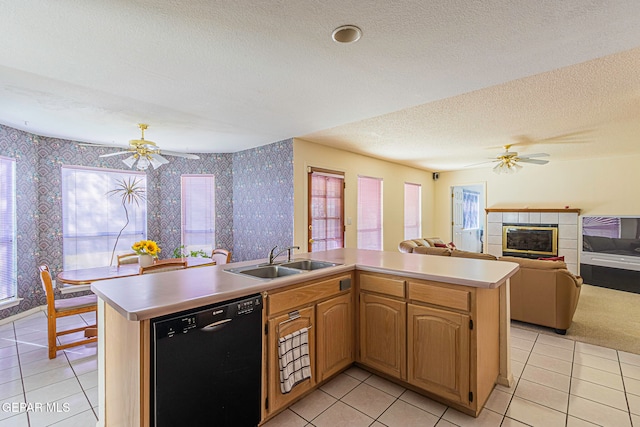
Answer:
(349, 220)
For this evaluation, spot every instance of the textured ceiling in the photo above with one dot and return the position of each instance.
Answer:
(437, 85)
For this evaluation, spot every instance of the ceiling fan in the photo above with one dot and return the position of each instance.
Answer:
(508, 162)
(145, 152)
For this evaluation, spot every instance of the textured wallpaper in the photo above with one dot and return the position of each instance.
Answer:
(252, 214)
(263, 200)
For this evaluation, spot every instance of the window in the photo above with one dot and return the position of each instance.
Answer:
(8, 264)
(471, 209)
(412, 211)
(92, 220)
(198, 212)
(369, 213)
(326, 201)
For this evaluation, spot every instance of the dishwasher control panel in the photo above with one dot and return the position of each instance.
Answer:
(206, 319)
(248, 305)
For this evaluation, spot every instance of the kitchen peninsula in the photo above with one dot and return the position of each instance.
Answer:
(387, 311)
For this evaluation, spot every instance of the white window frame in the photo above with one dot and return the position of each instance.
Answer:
(368, 208)
(412, 211)
(99, 217)
(205, 207)
(8, 233)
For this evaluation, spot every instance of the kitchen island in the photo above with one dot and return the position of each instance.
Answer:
(449, 290)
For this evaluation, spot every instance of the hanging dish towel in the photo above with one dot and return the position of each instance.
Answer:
(293, 355)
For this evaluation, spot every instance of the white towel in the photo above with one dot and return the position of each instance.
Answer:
(293, 355)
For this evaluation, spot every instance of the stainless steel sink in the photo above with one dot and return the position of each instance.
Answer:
(308, 264)
(272, 271)
(267, 271)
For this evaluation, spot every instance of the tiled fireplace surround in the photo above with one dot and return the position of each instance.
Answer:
(567, 220)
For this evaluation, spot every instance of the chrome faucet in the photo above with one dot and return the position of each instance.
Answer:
(288, 249)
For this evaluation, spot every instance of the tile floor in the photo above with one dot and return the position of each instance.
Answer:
(68, 383)
(558, 382)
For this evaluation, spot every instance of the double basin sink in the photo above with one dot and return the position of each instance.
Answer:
(272, 271)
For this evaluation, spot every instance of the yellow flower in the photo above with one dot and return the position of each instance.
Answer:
(148, 247)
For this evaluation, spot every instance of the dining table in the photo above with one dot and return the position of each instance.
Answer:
(86, 276)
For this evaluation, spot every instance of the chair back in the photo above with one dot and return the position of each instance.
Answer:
(164, 266)
(131, 258)
(47, 284)
(221, 256)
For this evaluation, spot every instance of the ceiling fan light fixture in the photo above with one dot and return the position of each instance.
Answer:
(507, 167)
(129, 161)
(143, 163)
(156, 163)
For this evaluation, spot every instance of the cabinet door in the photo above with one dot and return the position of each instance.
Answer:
(383, 334)
(334, 320)
(277, 329)
(438, 352)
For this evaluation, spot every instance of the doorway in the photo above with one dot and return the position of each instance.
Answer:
(468, 216)
(326, 209)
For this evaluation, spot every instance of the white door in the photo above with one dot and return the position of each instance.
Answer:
(467, 232)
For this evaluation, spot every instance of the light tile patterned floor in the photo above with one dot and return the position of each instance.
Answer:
(62, 392)
(558, 383)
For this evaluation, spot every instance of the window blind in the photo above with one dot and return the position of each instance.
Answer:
(92, 219)
(8, 259)
(412, 211)
(369, 213)
(198, 212)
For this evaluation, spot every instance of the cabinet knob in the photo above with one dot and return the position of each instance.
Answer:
(310, 240)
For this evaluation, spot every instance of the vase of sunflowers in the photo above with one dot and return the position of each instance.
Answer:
(147, 251)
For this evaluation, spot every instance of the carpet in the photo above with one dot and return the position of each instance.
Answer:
(604, 317)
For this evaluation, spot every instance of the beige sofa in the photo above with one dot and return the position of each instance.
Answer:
(542, 292)
(427, 246)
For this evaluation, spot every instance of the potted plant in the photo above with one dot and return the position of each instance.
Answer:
(179, 253)
(130, 191)
(147, 250)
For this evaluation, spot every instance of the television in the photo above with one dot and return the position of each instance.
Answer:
(611, 241)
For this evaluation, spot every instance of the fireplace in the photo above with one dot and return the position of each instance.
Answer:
(530, 241)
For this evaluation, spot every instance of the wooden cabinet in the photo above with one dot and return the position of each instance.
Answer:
(438, 352)
(279, 326)
(441, 338)
(334, 335)
(383, 325)
(323, 306)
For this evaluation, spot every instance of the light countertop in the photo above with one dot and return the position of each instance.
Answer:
(152, 295)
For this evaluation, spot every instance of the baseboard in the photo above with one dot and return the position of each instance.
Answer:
(22, 314)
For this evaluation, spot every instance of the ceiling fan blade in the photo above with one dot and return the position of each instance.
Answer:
(114, 154)
(175, 153)
(533, 161)
(88, 144)
(528, 156)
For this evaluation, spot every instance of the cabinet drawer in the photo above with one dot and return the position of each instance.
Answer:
(438, 295)
(305, 294)
(382, 285)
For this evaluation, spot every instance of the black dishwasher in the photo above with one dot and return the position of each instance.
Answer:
(206, 366)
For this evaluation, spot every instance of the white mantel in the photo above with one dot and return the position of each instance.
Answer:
(567, 220)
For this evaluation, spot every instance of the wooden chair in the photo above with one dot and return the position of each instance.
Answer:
(160, 266)
(62, 308)
(221, 256)
(131, 258)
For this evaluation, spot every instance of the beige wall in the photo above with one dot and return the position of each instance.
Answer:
(596, 186)
(306, 154)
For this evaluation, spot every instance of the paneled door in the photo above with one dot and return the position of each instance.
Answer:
(326, 209)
